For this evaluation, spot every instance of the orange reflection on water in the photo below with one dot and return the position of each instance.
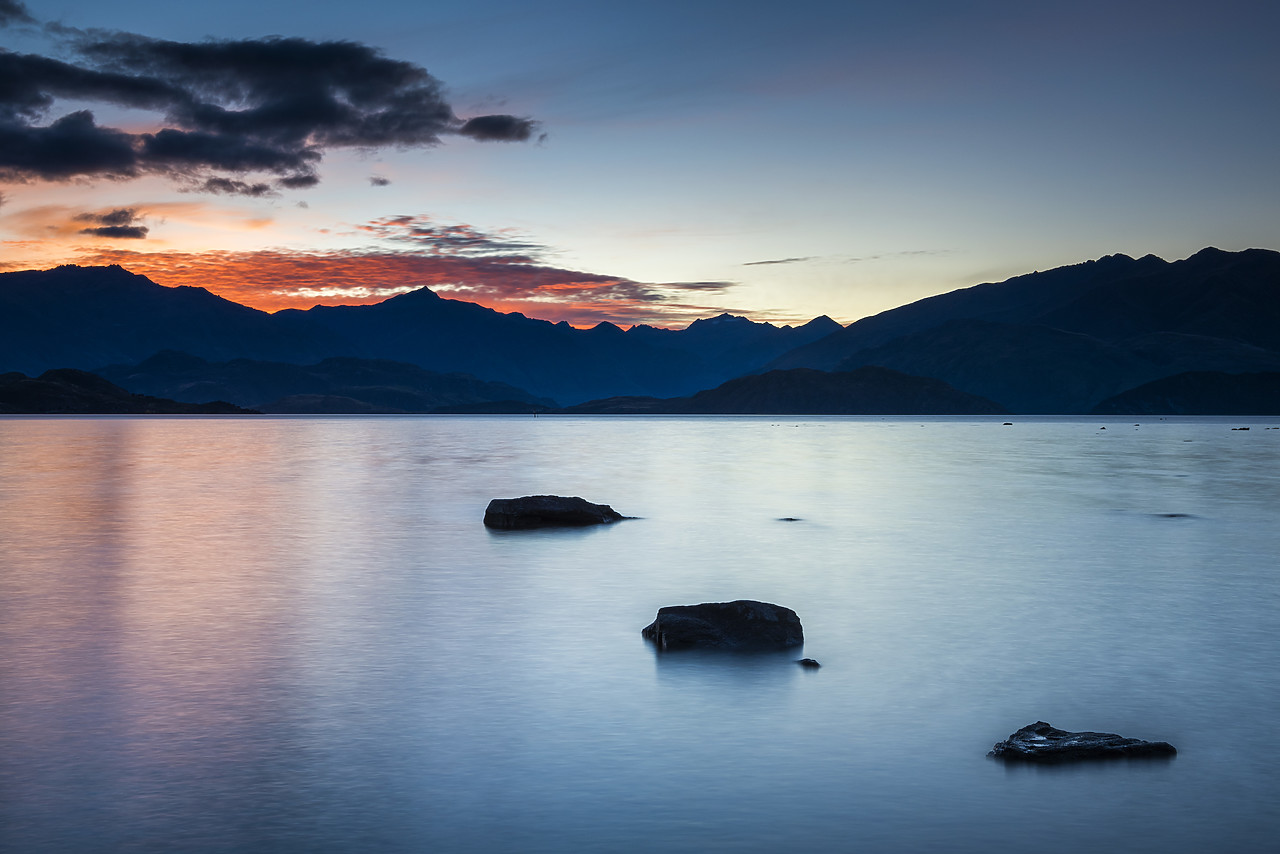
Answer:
(138, 553)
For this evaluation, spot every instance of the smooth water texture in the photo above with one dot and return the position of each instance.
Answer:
(280, 635)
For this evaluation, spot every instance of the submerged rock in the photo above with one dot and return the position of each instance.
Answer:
(743, 624)
(543, 511)
(1041, 742)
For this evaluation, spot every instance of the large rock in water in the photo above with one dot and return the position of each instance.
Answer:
(743, 624)
(543, 511)
(1041, 742)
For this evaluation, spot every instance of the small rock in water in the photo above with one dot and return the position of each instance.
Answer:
(742, 624)
(1042, 742)
(789, 519)
(542, 511)
(808, 663)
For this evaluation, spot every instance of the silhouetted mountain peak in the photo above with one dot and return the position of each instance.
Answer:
(1209, 253)
(423, 294)
(820, 324)
(723, 320)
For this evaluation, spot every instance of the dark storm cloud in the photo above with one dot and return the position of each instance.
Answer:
(268, 106)
(135, 232)
(232, 187)
(298, 182)
(13, 12)
(29, 84)
(498, 128)
(119, 216)
(118, 223)
(289, 91)
(69, 147)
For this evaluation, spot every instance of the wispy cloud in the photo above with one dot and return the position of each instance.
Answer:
(778, 261)
(849, 259)
(907, 253)
(424, 235)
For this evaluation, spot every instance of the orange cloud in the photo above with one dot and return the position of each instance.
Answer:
(277, 279)
(500, 269)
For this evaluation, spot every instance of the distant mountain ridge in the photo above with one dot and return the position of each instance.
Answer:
(90, 317)
(1061, 341)
(66, 391)
(336, 385)
(803, 391)
(1199, 393)
(1058, 341)
(87, 317)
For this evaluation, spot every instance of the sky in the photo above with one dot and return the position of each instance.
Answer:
(649, 162)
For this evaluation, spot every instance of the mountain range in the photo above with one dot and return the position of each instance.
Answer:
(1064, 340)
(1060, 341)
(91, 317)
(335, 385)
(66, 391)
(868, 390)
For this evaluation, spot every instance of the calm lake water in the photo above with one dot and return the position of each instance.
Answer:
(285, 635)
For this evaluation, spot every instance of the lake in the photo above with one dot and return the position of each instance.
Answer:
(295, 634)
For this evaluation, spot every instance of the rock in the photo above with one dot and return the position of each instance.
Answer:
(543, 511)
(1041, 742)
(808, 663)
(743, 624)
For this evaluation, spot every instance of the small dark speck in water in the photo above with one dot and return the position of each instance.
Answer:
(788, 519)
(1174, 516)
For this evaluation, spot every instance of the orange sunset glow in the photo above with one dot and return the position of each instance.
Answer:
(271, 280)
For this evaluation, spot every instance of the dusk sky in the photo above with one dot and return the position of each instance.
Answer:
(642, 162)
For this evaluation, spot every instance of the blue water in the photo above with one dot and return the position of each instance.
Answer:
(286, 635)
